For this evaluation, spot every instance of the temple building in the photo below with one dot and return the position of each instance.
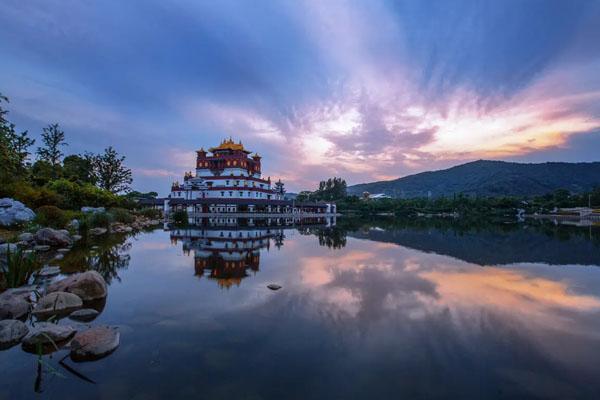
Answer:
(228, 179)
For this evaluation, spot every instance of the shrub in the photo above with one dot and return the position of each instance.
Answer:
(99, 220)
(180, 217)
(51, 216)
(79, 195)
(151, 213)
(121, 215)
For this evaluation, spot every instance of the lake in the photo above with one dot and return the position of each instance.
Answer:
(378, 308)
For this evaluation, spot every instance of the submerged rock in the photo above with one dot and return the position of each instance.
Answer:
(52, 237)
(274, 286)
(14, 212)
(11, 332)
(47, 335)
(87, 285)
(84, 315)
(57, 303)
(94, 343)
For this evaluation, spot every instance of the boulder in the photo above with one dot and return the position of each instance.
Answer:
(47, 335)
(14, 212)
(13, 307)
(87, 285)
(84, 315)
(94, 343)
(11, 332)
(97, 231)
(57, 303)
(52, 237)
(74, 224)
(25, 237)
(59, 257)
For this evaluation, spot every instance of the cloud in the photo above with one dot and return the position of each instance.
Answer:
(365, 91)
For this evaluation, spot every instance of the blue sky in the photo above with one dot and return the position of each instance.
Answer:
(366, 90)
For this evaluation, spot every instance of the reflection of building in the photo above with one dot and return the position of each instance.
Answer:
(228, 180)
(227, 249)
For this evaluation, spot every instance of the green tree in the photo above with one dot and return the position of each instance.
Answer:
(53, 139)
(79, 168)
(110, 171)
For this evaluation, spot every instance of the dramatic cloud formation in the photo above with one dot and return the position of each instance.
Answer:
(364, 90)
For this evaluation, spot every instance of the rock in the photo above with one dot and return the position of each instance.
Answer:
(11, 332)
(25, 237)
(93, 210)
(84, 315)
(94, 343)
(59, 257)
(74, 224)
(23, 245)
(47, 335)
(274, 286)
(63, 251)
(14, 212)
(13, 307)
(57, 303)
(49, 270)
(97, 231)
(76, 237)
(41, 247)
(87, 285)
(52, 237)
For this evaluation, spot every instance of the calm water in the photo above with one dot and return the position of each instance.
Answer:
(381, 309)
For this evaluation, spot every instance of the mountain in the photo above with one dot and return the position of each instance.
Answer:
(490, 178)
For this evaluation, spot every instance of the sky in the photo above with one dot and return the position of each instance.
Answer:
(365, 90)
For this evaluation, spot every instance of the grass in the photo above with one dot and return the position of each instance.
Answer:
(19, 268)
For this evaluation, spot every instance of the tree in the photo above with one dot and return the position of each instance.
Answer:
(110, 171)
(53, 139)
(79, 168)
(13, 148)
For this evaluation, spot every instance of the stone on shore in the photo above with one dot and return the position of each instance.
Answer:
(52, 237)
(47, 335)
(84, 315)
(41, 247)
(93, 210)
(11, 332)
(57, 303)
(49, 270)
(13, 212)
(95, 343)
(97, 231)
(13, 307)
(25, 237)
(87, 285)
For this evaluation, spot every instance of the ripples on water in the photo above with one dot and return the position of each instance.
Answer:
(378, 309)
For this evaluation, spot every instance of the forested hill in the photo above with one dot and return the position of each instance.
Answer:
(490, 178)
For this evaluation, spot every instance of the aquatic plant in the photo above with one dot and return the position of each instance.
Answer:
(19, 268)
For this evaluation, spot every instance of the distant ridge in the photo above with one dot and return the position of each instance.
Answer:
(490, 178)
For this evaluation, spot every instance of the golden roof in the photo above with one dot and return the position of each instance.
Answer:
(229, 144)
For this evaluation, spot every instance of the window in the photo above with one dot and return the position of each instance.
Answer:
(241, 194)
(230, 194)
(226, 183)
(222, 194)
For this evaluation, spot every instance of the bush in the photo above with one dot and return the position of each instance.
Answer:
(99, 220)
(180, 217)
(121, 215)
(79, 195)
(151, 213)
(51, 216)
